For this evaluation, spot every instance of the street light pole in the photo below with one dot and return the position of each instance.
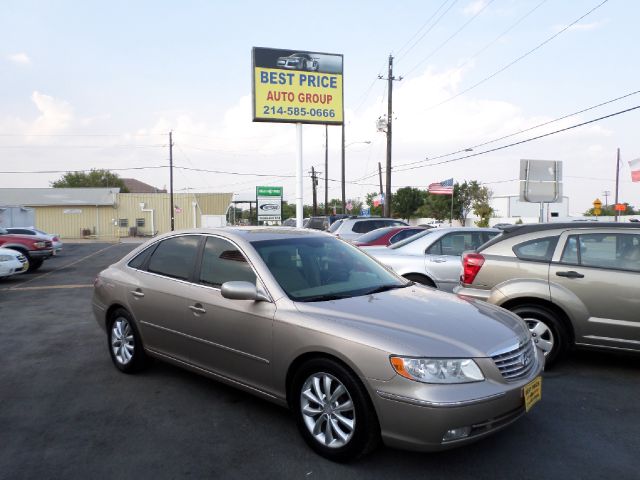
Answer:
(344, 201)
(326, 169)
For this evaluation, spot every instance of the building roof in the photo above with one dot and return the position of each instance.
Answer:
(40, 197)
(136, 186)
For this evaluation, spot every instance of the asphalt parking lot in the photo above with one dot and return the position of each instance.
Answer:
(66, 412)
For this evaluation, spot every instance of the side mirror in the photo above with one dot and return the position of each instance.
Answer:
(243, 291)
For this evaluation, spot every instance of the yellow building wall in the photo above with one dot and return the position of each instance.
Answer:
(103, 222)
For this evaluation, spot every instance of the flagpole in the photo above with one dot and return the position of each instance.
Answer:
(451, 216)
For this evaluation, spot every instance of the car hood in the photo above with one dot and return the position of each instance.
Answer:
(419, 321)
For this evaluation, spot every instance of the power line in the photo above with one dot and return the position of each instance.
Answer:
(421, 27)
(495, 40)
(82, 170)
(513, 62)
(82, 146)
(430, 28)
(80, 134)
(564, 117)
(451, 37)
(525, 140)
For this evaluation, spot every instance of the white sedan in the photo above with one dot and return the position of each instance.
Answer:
(12, 262)
(433, 256)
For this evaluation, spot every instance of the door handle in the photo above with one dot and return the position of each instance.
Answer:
(570, 274)
(137, 293)
(438, 260)
(197, 308)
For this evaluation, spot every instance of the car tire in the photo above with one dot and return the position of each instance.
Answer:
(123, 340)
(342, 429)
(34, 263)
(421, 279)
(547, 330)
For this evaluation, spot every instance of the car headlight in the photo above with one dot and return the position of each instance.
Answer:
(40, 244)
(6, 258)
(437, 370)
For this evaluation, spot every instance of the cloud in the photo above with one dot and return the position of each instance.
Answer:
(474, 7)
(55, 115)
(19, 58)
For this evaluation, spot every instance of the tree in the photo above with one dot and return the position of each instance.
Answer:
(481, 206)
(95, 178)
(436, 206)
(609, 211)
(406, 201)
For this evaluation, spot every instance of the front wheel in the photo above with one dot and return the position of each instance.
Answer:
(333, 411)
(125, 346)
(548, 332)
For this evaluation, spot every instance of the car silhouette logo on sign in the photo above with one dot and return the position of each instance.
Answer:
(270, 206)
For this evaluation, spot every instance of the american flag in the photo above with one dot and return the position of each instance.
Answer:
(444, 187)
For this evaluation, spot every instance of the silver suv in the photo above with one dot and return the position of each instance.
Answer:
(573, 283)
(352, 227)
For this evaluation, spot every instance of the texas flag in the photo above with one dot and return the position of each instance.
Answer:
(634, 165)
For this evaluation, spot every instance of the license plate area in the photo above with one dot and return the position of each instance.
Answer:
(532, 393)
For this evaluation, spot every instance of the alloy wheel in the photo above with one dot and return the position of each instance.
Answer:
(122, 341)
(327, 410)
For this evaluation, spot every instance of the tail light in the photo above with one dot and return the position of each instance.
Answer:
(471, 265)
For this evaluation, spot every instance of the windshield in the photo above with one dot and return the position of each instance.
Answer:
(335, 225)
(411, 239)
(324, 268)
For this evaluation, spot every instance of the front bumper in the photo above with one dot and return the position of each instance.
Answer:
(11, 268)
(44, 253)
(416, 416)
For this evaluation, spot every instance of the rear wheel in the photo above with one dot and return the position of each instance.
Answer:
(547, 330)
(125, 346)
(423, 280)
(333, 411)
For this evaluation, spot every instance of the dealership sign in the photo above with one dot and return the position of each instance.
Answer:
(297, 86)
(269, 203)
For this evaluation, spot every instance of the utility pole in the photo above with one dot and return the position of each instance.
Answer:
(326, 169)
(617, 184)
(171, 206)
(344, 195)
(606, 194)
(314, 183)
(390, 78)
(380, 176)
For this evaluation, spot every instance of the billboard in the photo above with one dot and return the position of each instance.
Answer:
(269, 203)
(297, 86)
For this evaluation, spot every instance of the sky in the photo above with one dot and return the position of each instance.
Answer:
(98, 84)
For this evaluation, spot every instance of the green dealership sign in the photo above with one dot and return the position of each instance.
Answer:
(268, 191)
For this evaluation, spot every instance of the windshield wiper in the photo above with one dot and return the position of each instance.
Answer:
(384, 288)
(323, 298)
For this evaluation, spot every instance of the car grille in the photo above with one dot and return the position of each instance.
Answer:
(516, 363)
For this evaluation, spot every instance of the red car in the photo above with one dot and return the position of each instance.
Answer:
(386, 236)
(36, 249)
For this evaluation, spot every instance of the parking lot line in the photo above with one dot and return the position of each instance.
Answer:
(20, 287)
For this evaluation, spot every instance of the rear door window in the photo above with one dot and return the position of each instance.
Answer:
(540, 249)
(223, 262)
(603, 250)
(175, 257)
(456, 243)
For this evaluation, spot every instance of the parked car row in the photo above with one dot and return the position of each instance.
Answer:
(32, 247)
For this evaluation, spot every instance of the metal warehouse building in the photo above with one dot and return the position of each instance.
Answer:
(106, 213)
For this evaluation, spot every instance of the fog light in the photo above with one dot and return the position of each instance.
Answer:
(456, 434)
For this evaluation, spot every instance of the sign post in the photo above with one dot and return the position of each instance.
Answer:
(295, 86)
